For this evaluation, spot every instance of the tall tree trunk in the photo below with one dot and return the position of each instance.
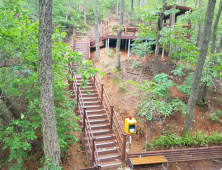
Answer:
(96, 30)
(199, 68)
(203, 92)
(67, 14)
(202, 97)
(118, 43)
(50, 136)
(173, 20)
(159, 28)
(213, 44)
(196, 3)
(117, 3)
(132, 6)
(199, 36)
(139, 3)
(84, 11)
(219, 49)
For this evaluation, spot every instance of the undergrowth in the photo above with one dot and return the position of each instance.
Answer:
(197, 139)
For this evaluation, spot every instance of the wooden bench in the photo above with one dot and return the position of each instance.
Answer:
(148, 161)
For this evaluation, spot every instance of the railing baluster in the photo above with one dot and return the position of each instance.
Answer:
(124, 147)
(77, 93)
(94, 80)
(111, 117)
(93, 149)
(98, 167)
(84, 118)
(101, 93)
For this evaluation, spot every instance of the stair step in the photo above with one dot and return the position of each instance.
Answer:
(100, 125)
(105, 130)
(96, 115)
(92, 106)
(109, 156)
(92, 94)
(91, 100)
(92, 120)
(111, 164)
(106, 149)
(107, 143)
(93, 111)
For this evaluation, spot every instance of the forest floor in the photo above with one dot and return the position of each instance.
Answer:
(125, 104)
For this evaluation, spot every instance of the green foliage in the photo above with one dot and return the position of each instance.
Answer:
(170, 126)
(214, 118)
(141, 48)
(136, 64)
(155, 97)
(186, 84)
(111, 52)
(116, 80)
(49, 165)
(219, 113)
(198, 139)
(122, 89)
(179, 70)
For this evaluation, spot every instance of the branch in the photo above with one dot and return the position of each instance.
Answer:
(10, 106)
(8, 120)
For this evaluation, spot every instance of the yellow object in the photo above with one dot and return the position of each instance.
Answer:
(130, 126)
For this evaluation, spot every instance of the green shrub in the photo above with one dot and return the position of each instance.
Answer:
(149, 146)
(111, 53)
(197, 139)
(122, 89)
(136, 64)
(214, 118)
(116, 79)
(170, 126)
(219, 113)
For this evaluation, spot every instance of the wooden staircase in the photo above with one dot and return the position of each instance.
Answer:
(83, 47)
(105, 142)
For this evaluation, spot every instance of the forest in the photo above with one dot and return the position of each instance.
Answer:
(73, 71)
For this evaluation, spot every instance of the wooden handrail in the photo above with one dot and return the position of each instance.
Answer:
(112, 115)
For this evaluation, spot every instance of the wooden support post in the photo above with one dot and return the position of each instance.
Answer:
(150, 23)
(125, 44)
(84, 119)
(93, 149)
(148, 127)
(170, 20)
(129, 48)
(108, 46)
(142, 23)
(77, 93)
(124, 147)
(101, 93)
(111, 117)
(98, 167)
(125, 27)
(94, 80)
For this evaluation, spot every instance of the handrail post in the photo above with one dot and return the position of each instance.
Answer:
(124, 148)
(94, 80)
(111, 117)
(101, 93)
(77, 93)
(84, 119)
(98, 167)
(93, 149)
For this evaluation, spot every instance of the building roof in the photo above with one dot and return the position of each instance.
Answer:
(183, 10)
